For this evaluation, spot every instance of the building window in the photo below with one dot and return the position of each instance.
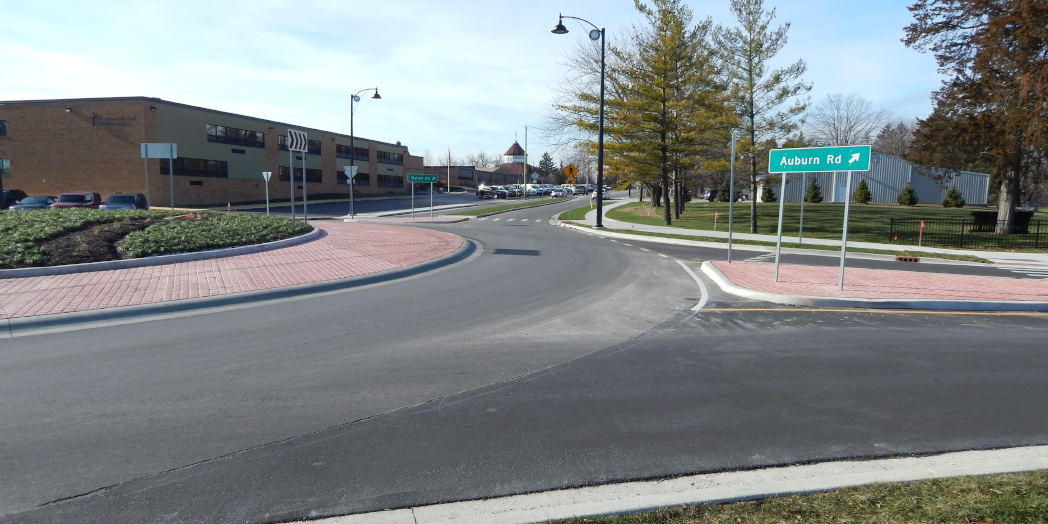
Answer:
(390, 158)
(197, 167)
(3, 127)
(312, 145)
(359, 153)
(390, 181)
(314, 176)
(362, 179)
(234, 136)
(5, 166)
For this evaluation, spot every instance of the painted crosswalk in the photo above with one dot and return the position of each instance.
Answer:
(767, 257)
(1030, 271)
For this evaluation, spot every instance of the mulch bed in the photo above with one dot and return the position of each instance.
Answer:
(97, 244)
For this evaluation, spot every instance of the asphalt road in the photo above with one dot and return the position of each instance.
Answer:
(551, 359)
(374, 205)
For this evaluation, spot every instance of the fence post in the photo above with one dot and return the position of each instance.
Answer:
(963, 227)
(891, 229)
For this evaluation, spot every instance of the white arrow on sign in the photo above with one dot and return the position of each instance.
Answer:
(854, 158)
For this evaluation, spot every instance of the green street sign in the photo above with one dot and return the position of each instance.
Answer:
(819, 159)
(422, 179)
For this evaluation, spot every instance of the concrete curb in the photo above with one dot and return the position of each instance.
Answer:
(394, 221)
(159, 260)
(474, 217)
(764, 249)
(714, 488)
(25, 326)
(868, 303)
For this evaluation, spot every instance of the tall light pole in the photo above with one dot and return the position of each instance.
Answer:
(595, 34)
(352, 152)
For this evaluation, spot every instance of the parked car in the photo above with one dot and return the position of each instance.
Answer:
(579, 190)
(485, 192)
(558, 192)
(78, 199)
(499, 192)
(125, 201)
(11, 197)
(34, 202)
(710, 195)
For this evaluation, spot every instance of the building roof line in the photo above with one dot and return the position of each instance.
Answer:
(177, 104)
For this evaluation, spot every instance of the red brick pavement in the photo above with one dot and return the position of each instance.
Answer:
(343, 250)
(821, 281)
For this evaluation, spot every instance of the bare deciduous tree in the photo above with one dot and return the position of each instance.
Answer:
(842, 120)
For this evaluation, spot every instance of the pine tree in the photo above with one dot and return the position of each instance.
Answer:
(767, 194)
(862, 193)
(907, 196)
(813, 193)
(724, 191)
(546, 165)
(953, 198)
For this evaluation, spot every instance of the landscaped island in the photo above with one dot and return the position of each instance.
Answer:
(54, 237)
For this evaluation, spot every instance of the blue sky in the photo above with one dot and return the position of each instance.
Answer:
(452, 73)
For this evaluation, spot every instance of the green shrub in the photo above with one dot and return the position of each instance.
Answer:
(813, 193)
(214, 232)
(23, 232)
(767, 194)
(907, 196)
(862, 193)
(953, 198)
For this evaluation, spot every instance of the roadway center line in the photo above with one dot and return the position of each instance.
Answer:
(642, 249)
(705, 296)
(509, 220)
(495, 219)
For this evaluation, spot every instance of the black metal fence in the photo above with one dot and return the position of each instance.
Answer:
(977, 233)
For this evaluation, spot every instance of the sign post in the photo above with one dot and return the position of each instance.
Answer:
(296, 143)
(820, 160)
(351, 173)
(165, 150)
(266, 175)
(414, 178)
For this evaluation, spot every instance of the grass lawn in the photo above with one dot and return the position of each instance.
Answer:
(1001, 499)
(866, 223)
(529, 203)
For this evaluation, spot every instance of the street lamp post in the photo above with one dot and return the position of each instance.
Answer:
(595, 34)
(352, 151)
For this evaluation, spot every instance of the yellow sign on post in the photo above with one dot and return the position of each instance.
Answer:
(570, 170)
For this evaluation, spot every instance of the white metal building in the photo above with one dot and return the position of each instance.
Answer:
(886, 177)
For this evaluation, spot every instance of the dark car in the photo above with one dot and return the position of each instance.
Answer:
(485, 192)
(34, 202)
(499, 192)
(125, 201)
(710, 195)
(11, 197)
(78, 199)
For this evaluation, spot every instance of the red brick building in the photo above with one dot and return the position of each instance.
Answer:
(49, 147)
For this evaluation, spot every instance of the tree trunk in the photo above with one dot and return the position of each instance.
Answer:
(1006, 202)
(676, 198)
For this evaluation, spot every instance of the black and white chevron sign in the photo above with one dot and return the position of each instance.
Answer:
(297, 141)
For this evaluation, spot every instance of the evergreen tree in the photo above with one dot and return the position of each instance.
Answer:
(546, 165)
(994, 109)
(953, 198)
(862, 193)
(724, 191)
(767, 194)
(907, 197)
(813, 193)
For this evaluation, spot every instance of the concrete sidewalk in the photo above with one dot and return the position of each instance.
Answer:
(997, 257)
(342, 251)
(863, 288)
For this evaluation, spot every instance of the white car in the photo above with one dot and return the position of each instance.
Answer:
(558, 192)
(604, 195)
